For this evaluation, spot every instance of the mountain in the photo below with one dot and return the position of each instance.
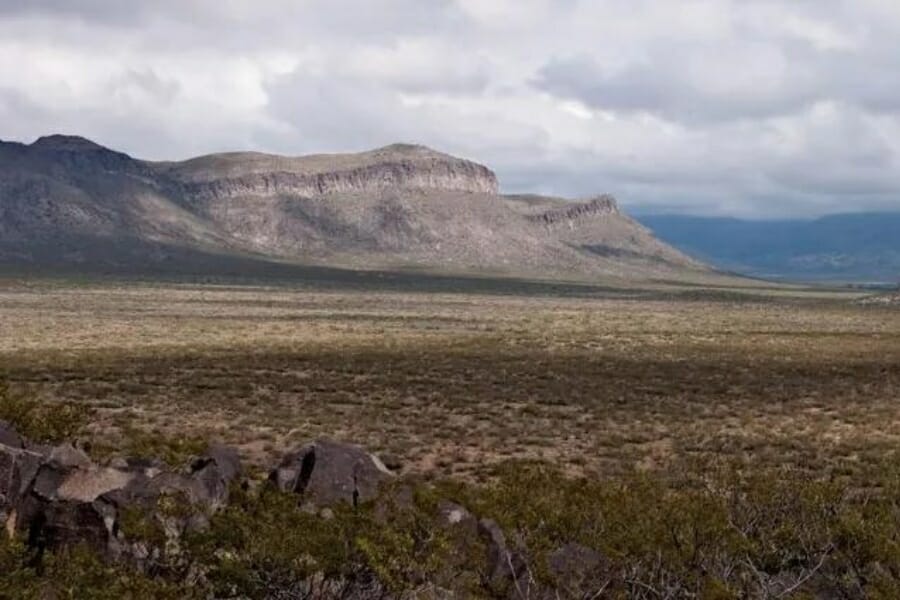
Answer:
(850, 247)
(68, 201)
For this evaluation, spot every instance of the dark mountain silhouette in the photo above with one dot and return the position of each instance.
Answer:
(858, 247)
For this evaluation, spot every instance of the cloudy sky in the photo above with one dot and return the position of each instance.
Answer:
(739, 107)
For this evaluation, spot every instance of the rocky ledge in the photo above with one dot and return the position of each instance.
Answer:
(599, 206)
(397, 167)
(54, 498)
(460, 177)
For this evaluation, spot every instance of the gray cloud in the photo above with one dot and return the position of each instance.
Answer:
(676, 88)
(760, 108)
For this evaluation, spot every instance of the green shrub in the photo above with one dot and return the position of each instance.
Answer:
(706, 534)
(173, 450)
(79, 573)
(43, 422)
(265, 541)
(713, 534)
(15, 576)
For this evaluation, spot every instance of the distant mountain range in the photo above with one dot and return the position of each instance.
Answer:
(68, 202)
(861, 247)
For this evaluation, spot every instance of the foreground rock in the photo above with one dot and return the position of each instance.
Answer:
(10, 437)
(18, 469)
(59, 497)
(137, 511)
(326, 472)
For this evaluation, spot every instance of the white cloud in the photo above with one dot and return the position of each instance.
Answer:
(768, 107)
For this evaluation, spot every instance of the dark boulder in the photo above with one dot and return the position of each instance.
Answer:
(18, 469)
(204, 482)
(62, 523)
(63, 499)
(63, 505)
(213, 473)
(180, 502)
(9, 436)
(326, 472)
(507, 572)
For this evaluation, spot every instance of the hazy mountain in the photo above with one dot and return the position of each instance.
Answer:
(68, 201)
(853, 247)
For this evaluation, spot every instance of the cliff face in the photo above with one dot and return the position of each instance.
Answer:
(398, 167)
(578, 211)
(73, 200)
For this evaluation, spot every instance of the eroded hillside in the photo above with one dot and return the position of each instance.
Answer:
(67, 200)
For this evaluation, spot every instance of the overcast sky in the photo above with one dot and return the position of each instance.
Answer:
(739, 107)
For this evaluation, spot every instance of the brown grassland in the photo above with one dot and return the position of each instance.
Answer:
(453, 383)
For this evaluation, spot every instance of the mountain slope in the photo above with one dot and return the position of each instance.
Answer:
(67, 200)
(849, 246)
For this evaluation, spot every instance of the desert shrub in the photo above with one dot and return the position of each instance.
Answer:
(15, 576)
(79, 573)
(265, 541)
(654, 536)
(405, 546)
(140, 524)
(173, 450)
(44, 422)
(712, 534)
(718, 534)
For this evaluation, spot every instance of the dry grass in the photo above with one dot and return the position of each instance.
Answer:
(452, 383)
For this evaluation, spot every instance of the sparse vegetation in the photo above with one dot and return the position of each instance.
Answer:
(710, 446)
(694, 534)
(79, 573)
(42, 421)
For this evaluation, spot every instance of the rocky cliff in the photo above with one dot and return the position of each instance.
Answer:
(397, 167)
(571, 213)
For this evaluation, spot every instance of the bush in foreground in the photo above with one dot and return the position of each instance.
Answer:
(694, 536)
(40, 421)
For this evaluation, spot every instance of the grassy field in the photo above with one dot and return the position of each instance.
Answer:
(447, 383)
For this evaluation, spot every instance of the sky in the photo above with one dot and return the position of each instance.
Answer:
(747, 108)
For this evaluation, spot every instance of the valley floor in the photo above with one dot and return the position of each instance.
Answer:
(452, 383)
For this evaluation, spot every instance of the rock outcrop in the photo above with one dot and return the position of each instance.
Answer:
(397, 167)
(326, 472)
(595, 207)
(57, 497)
(507, 572)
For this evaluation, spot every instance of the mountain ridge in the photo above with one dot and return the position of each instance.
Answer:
(66, 198)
